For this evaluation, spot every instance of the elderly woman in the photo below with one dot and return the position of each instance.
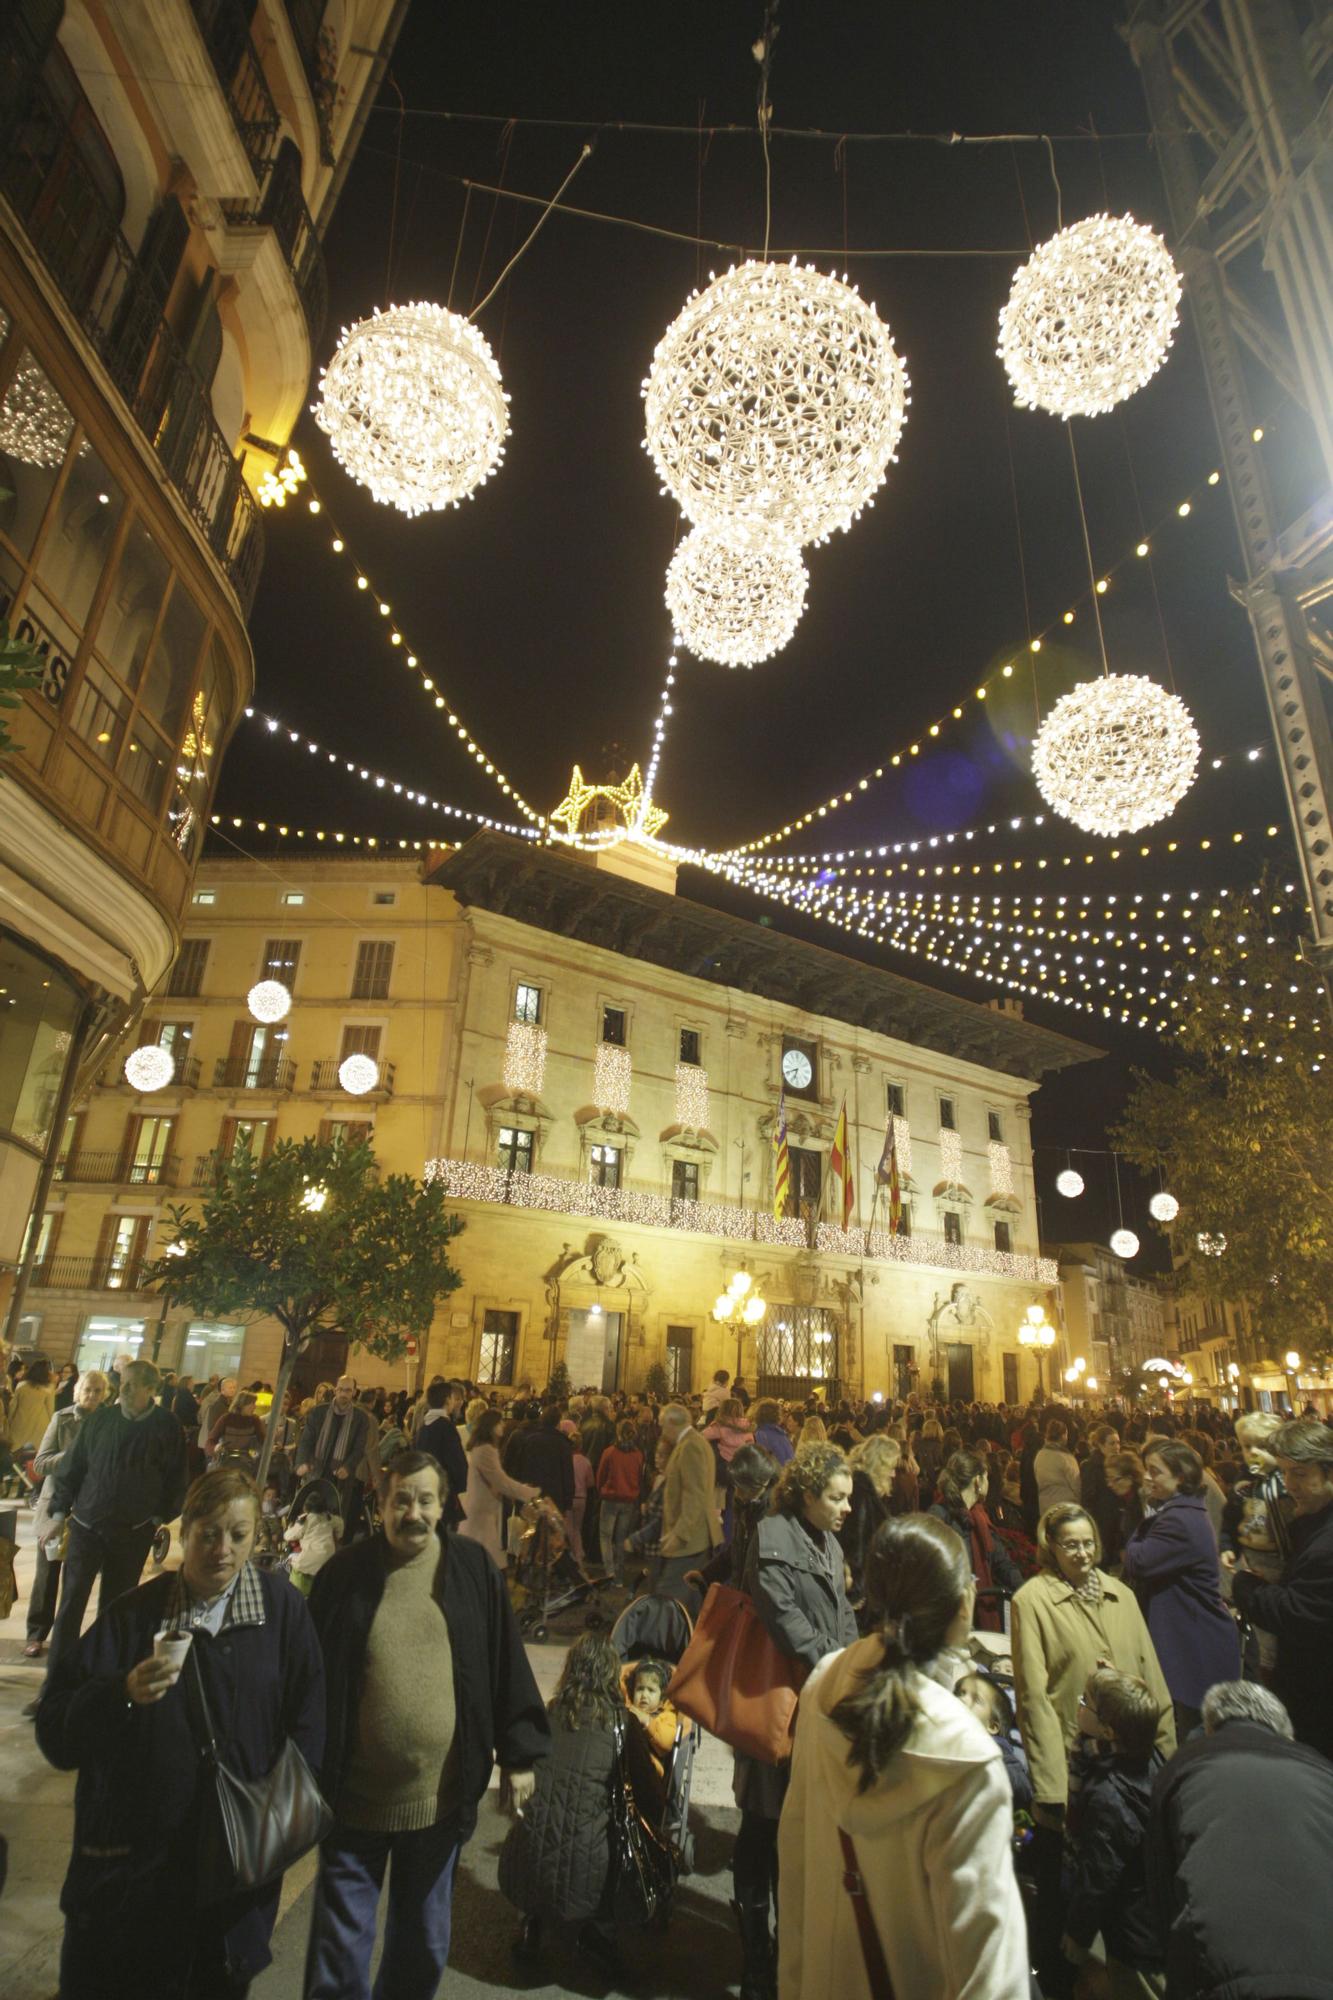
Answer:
(895, 1779)
(1067, 1620)
(125, 1719)
(489, 1486)
(1172, 1562)
(794, 1576)
(89, 1391)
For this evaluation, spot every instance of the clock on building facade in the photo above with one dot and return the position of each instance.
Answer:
(800, 1068)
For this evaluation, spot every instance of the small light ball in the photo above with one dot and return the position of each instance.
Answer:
(1211, 1245)
(413, 407)
(269, 1001)
(733, 600)
(1069, 1184)
(1090, 317)
(1125, 1243)
(1116, 754)
(151, 1067)
(1164, 1207)
(358, 1074)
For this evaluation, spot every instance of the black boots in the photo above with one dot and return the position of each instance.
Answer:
(759, 1973)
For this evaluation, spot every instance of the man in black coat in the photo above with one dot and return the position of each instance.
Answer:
(545, 1458)
(1238, 1844)
(437, 1433)
(1298, 1608)
(428, 1684)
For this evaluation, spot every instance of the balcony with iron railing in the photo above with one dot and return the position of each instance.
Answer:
(113, 299)
(324, 1077)
(115, 1170)
(275, 1074)
(225, 28)
(186, 1076)
(88, 1274)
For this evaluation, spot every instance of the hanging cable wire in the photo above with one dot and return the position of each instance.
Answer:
(530, 238)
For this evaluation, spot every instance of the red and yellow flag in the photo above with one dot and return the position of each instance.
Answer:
(841, 1164)
(781, 1162)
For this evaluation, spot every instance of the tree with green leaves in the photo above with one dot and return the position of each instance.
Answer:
(1243, 1130)
(655, 1382)
(21, 668)
(312, 1237)
(558, 1389)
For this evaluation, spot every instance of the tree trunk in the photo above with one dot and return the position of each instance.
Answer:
(291, 1347)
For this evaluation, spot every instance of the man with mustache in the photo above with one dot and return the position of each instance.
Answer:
(428, 1685)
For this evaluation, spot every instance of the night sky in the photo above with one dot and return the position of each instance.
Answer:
(538, 605)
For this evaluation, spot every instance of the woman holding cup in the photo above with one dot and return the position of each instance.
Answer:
(123, 1709)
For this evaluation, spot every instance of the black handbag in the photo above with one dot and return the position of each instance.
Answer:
(642, 1864)
(253, 1829)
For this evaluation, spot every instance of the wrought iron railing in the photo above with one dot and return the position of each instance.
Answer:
(114, 1169)
(273, 1073)
(324, 1076)
(283, 210)
(226, 32)
(88, 1274)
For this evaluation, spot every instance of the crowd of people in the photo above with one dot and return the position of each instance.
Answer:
(1065, 1704)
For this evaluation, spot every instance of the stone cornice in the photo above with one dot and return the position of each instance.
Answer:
(553, 893)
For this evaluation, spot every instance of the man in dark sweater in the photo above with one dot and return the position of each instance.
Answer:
(1298, 1607)
(123, 1476)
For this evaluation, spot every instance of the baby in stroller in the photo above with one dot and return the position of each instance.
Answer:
(313, 1536)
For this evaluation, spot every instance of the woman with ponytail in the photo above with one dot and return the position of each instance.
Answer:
(897, 1788)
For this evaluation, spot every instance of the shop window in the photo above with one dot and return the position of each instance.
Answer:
(108, 1338)
(175, 661)
(499, 1348)
(35, 431)
(38, 1014)
(75, 548)
(212, 1347)
(194, 766)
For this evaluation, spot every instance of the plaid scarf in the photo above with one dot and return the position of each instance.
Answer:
(246, 1606)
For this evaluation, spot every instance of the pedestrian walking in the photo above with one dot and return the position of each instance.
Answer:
(336, 1441)
(691, 1529)
(489, 1487)
(619, 1484)
(89, 1393)
(1171, 1561)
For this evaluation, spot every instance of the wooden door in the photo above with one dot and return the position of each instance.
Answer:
(958, 1355)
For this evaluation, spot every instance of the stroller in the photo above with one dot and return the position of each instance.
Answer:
(548, 1581)
(660, 1628)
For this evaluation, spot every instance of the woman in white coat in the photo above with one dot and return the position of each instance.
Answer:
(895, 1782)
(488, 1487)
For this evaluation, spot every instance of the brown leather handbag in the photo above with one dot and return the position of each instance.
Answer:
(735, 1681)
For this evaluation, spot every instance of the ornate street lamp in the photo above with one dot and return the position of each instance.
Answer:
(1039, 1336)
(739, 1306)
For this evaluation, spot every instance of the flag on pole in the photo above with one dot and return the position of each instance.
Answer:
(781, 1162)
(840, 1163)
(886, 1173)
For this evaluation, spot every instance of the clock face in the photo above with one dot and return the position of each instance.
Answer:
(797, 1069)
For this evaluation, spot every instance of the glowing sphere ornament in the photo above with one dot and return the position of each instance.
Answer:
(1164, 1207)
(734, 601)
(1124, 1242)
(150, 1068)
(413, 407)
(358, 1074)
(1069, 1184)
(1090, 317)
(269, 1001)
(1116, 754)
(775, 403)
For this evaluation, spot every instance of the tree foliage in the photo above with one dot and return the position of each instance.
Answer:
(21, 667)
(655, 1382)
(369, 1262)
(1243, 1131)
(558, 1388)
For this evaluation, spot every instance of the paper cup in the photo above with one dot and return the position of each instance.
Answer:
(172, 1647)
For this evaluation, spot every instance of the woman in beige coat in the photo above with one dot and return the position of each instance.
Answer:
(1067, 1620)
(488, 1487)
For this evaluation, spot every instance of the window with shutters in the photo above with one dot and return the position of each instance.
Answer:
(147, 1150)
(246, 1135)
(345, 1131)
(124, 1241)
(360, 1041)
(373, 970)
(280, 960)
(187, 974)
(806, 1169)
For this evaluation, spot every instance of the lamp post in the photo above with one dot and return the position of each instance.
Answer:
(1038, 1336)
(1292, 1362)
(739, 1306)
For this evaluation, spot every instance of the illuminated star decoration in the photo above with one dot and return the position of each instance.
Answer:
(640, 820)
(275, 488)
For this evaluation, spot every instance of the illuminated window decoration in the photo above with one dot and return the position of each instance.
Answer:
(692, 1097)
(1090, 317)
(1116, 754)
(1069, 1184)
(1001, 1168)
(951, 1156)
(525, 1059)
(151, 1067)
(902, 1134)
(735, 600)
(611, 1079)
(1163, 1207)
(35, 426)
(276, 488)
(413, 407)
(635, 815)
(358, 1074)
(1125, 1243)
(775, 402)
(936, 1251)
(269, 1000)
(1211, 1245)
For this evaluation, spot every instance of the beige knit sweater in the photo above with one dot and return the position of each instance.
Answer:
(403, 1771)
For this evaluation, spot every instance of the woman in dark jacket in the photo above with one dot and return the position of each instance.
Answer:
(754, 1473)
(960, 1486)
(125, 1720)
(556, 1860)
(794, 1576)
(1171, 1561)
(874, 1463)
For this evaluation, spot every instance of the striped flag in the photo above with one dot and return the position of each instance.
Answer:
(781, 1162)
(886, 1173)
(839, 1160)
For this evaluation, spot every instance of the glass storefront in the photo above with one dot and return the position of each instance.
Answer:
(211, 1347)
(108, 1338)
(39, 1010)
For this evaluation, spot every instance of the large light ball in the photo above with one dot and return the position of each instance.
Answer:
(150, 1068)
(1069, 1184)
(775, 403)
(1116, 754)
(1125, 1243)
(358, 1074)
(269, 1001)
(734, 601)
(414, 408)
(1090, 316)
(1164, 1207)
